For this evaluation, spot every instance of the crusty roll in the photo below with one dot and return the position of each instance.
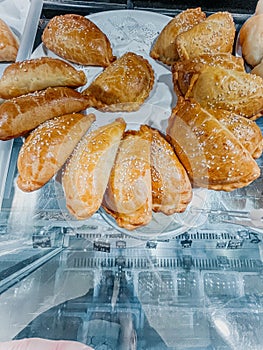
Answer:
(88, 170)
(164, 48)
(24, 113)
(214, 35)
(123, 86)
(212, 156)
(37, 74)
(47, 148)
(171, 187)
(79, 40)
(8, 43)
(128, 198)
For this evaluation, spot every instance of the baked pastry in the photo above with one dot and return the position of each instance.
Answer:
(171, 187)
(164, 48)
(250, 38)
(214, 35)
(212, 156)
(235, 91)
(88, 170)
(47, 148)
(244, 129)
(22, 114)
(259, 7)
(9, 43)
(258, 70)
(77, 39)
(128, 198)
(123, 86)
(183, 70)
(37, 74)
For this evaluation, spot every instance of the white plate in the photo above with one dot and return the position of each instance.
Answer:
(133, 30)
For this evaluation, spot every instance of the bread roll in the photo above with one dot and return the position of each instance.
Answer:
(22, 114)
(37, 74)
(171, 187)
(212, 156)
(258, 70)
(47, 148)
(77, 39)
(8, 43)
(123, 86)
(259, 7)
(164, 48)
(128, 198)
(88, 170)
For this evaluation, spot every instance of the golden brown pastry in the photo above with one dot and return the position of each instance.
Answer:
(212, 156)
(8, 43)
(171, 187)
(47, 148)
(123, 86)
(232, 90)
(88, 170)
(258, 70)
(22, 114)
(250, 38)
(164, 48)
(244, 129)
(128, 198)
(183, 70)
(79, 40)
(214, 35)
(37, 74)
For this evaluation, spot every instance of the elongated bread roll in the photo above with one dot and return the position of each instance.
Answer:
(211, 154)
(128, 198)
(47, 148)
(37, 74)
(171, 187)
(79, 40)
(8, 43)
(88, 170)
(24, 113)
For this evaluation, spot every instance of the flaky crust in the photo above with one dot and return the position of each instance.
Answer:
(232, 90)
(164, 48)
(37, 74)
(128, 198)
(88, 170)
(183, 70)
(171, 187)
(79, 40)
(123, 86)
(22, 114)
(47, 148)
(8, 43)
(214, 35)
(211, 154)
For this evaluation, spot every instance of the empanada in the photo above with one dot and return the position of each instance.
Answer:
(212, 156)
(183, 70)
(235, 91)
(87, 172)
(128, 198)
(171, 187)
(123, 86)
(37, 74)
(9, 43)
(164, 48)
(47, 148)
(77, 39)
(214, 35)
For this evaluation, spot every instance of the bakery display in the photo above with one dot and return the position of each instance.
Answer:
(123, 86)
(77, 39)
(48, 147)
(38, 74)
(164, 48)
(213, 157)
(9, 43)
(22, 114)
